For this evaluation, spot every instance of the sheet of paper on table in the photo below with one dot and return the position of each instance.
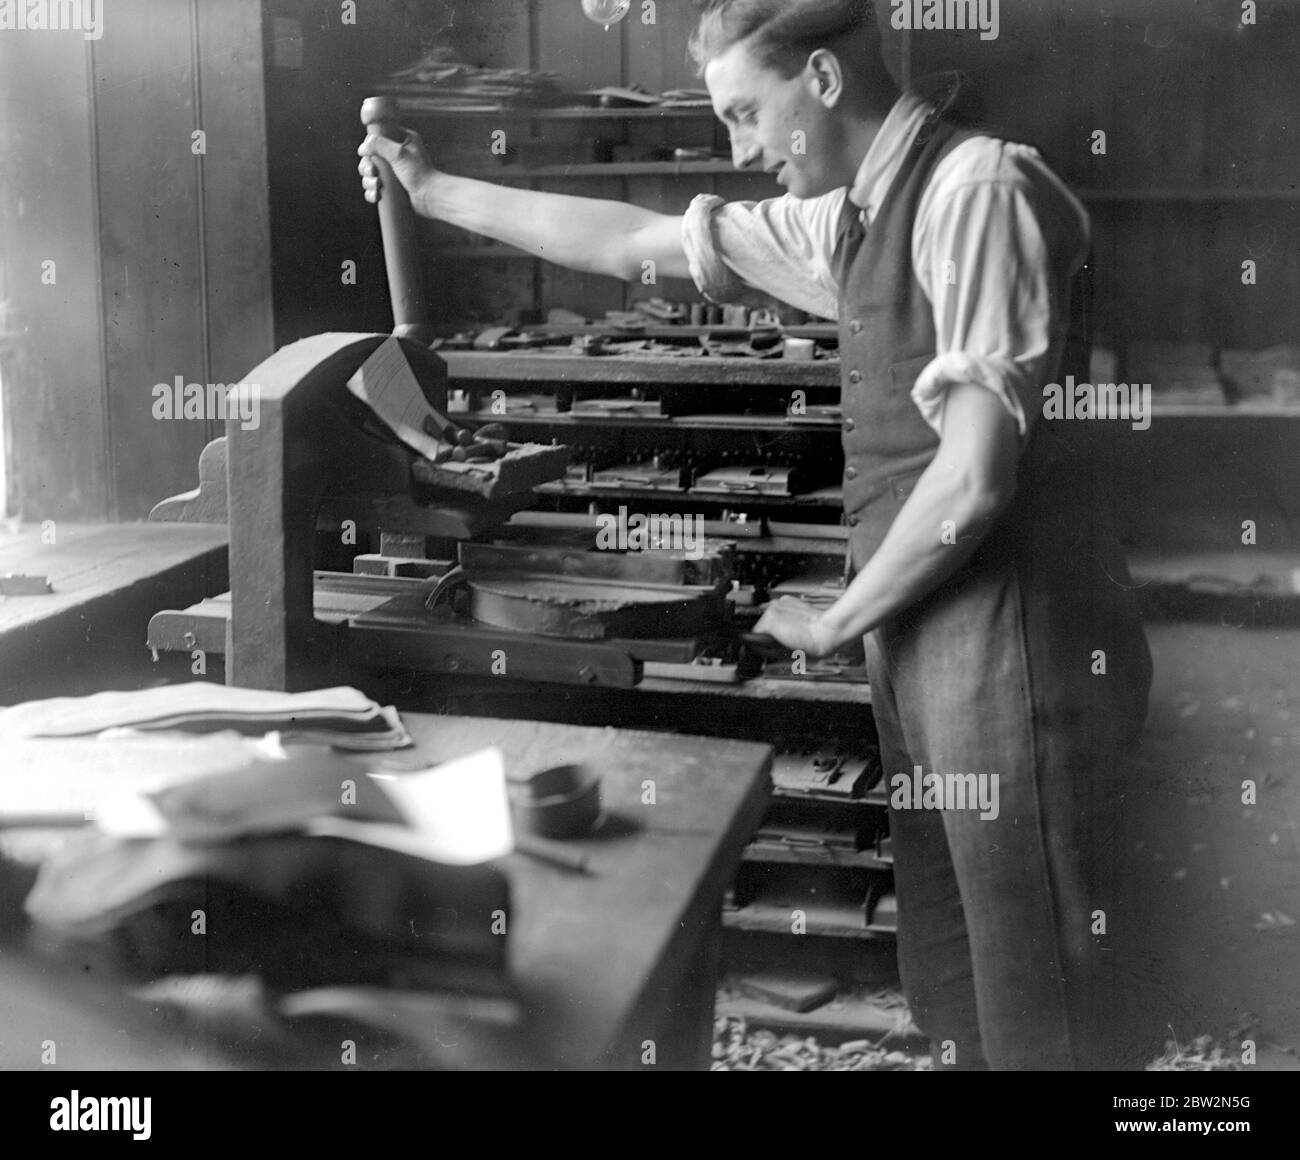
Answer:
(459, 809)
(457, 813)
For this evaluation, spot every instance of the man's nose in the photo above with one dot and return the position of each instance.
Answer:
(743, 153)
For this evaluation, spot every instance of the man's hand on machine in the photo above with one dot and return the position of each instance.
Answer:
(410, 162)
(796, 624)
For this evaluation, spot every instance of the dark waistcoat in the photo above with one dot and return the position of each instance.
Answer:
(886, 339)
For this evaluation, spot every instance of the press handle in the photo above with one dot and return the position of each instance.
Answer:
(381, 117)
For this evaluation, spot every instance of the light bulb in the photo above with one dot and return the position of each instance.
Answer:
(606, 12)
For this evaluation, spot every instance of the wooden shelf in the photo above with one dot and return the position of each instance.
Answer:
(1192, 196)
(1225, 411)
(792, 854)
(775, 919)
(773, 424)
(417, 105)
(476, 366)
(826, 497)
(776, 424)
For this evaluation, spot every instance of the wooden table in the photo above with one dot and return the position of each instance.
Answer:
(614, 969)
(106, 580)
(627, 954)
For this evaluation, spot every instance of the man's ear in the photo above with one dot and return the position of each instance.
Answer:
(825, 77)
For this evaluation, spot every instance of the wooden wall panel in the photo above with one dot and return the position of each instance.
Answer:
(492, 35)
(657, 55)
(236, 226)
(51, 339)
(151, 256)
(162, 254)
(584, 54)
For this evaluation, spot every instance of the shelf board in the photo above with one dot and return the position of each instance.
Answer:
(418, 104)
(1191, 196)
(478, 366)
(827, 497)
(1225, 411)
(790, 854)
(769, 424)
(775, 919)
(789, 794)
(765, 689)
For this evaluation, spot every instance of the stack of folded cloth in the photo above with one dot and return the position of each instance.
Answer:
(343, 718)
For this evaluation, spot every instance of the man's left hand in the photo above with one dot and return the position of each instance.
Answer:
(797, 625)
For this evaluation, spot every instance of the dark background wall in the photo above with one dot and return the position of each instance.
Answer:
(1199, 112)
(171, 264)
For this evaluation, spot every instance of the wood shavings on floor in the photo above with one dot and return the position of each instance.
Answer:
(738, 1048)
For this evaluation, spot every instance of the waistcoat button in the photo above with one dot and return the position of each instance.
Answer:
(850, 424)
(853, 521)
(855, 376)
(851, 473)
(855, 327)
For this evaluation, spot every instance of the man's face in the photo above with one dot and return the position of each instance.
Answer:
(776, 123)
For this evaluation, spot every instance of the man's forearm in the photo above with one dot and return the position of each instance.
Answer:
(936, 532)
(598, 237)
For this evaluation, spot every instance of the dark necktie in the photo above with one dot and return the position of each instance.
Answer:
(849, 237)
(851, 231)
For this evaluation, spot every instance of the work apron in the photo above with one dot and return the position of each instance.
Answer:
(1029, 666)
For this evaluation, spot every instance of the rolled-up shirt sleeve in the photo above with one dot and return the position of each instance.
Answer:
(995, 258)
(742, 252)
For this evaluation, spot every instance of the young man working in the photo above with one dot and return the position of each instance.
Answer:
(1000, 634)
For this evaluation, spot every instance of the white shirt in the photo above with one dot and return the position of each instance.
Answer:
(996, 240)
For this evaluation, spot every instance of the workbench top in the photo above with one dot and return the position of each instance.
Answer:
(106, 581)
(599, 957)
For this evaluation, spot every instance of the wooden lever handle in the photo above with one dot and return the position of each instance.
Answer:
(382, 117)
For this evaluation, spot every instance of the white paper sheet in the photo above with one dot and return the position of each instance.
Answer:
(460, 809)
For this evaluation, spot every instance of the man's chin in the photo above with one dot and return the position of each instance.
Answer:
(801, 186)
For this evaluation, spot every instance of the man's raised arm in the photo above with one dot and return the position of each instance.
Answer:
(587, 234)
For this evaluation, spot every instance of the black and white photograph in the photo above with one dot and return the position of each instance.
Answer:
(650, 535)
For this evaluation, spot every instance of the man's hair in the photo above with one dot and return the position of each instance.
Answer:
(782, 34)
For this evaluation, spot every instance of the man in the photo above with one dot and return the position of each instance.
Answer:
(1001, 638)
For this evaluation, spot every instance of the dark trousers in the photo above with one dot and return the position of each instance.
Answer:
(1008, 925)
